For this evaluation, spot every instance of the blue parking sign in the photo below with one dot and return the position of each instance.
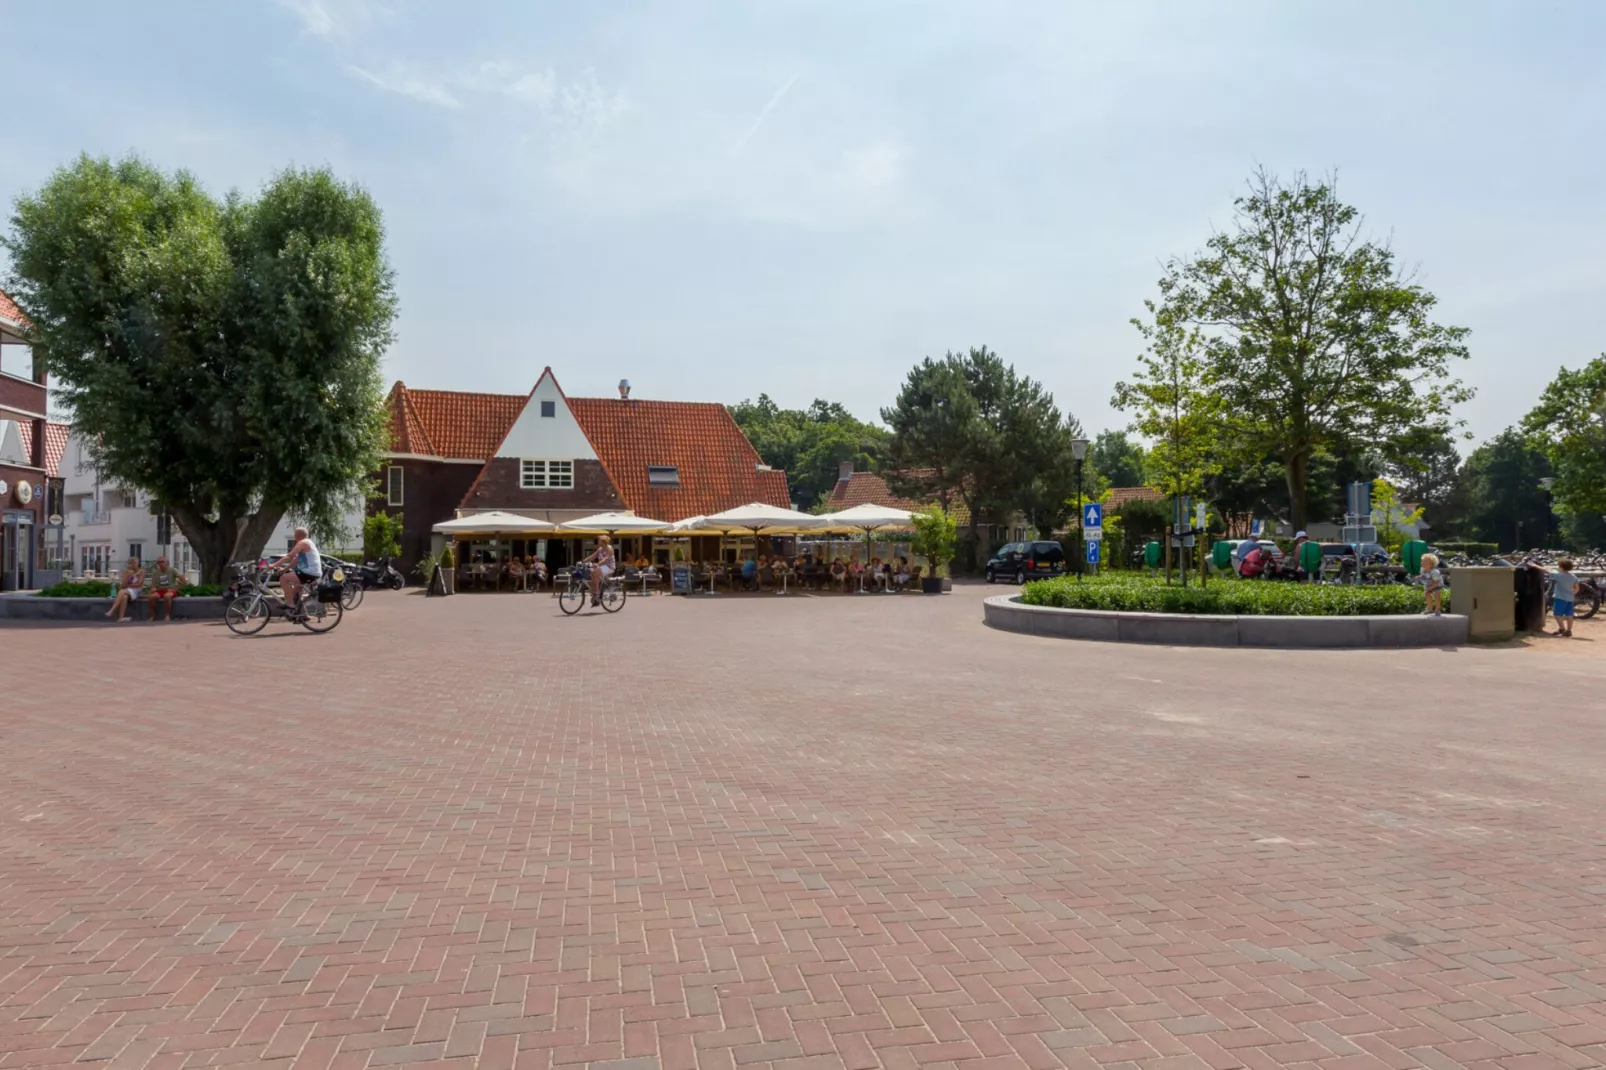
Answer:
(1093, 552)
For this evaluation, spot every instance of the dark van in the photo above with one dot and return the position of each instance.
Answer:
(1021, 561)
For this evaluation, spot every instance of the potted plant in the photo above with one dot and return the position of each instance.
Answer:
(936, 536)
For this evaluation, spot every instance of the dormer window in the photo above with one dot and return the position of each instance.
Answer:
(663, 475)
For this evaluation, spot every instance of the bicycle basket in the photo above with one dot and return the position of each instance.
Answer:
(329, 592)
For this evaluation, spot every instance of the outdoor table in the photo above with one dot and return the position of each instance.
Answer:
(646, 575)
(785, 574)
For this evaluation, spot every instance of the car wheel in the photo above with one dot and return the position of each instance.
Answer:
(1020, 577)
(990, 577)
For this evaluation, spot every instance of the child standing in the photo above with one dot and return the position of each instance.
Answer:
(1563, 593)
(1433, 581)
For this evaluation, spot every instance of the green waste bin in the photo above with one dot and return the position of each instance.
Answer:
(1151, 554)
(1411, 552)
(1221, 554)
(1310, 556)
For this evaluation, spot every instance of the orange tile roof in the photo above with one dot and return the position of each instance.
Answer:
(1119, 496)
(451, 423)
(10, 311)
(55, 443)
(871, 488)
(718, 466)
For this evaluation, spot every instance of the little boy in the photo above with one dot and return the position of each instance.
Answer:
(1563, 593)
(1433, 582)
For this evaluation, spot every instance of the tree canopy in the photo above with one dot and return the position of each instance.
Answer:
(1502, 497)
(810, 444)
(1310, 334)
(1117, 459)
(1569, 425)
(222, 355)
(1174, 407)
(969, 427)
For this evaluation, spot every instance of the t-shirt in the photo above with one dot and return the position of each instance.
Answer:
(1434, 579)
(1563, 586)
(163, 579)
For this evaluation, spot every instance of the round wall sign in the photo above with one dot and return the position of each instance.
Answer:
(55, 520)
(24, 491)
(4, 488)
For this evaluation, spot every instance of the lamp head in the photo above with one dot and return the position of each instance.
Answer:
(1079, 448)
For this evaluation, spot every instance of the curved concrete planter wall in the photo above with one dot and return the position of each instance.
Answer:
(1181, 629)
(29, 607)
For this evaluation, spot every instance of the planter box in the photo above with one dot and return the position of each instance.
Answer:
(32, 607)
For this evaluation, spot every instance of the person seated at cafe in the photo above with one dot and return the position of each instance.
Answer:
(162, 584)
(1255, 563)
(749, 573)
(839, 573)
(515, 574)
(128, 585)
(901, 573)
(642, 562)
(535, 571)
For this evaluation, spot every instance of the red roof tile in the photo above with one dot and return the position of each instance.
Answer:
(871, 488)
(718, 466)
(10, 311)
(55, 443)
(451, 423)
(719, 469)
(1119, 496)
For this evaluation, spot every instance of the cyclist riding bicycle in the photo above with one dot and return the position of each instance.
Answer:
(602, 557)
(308, 568)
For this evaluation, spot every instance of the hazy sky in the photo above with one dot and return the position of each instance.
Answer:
(805, 197)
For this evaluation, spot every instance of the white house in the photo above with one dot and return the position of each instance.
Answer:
(104, 523)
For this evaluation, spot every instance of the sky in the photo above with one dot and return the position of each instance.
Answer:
(806, 197)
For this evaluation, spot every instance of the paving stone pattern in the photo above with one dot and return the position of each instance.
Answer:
(796, 833)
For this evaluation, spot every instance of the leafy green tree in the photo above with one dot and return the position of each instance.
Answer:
(1426, 467)
(1310, 334)
(1569, 425)
(222, 355)
(970, 427)
(1503, 497)
(1174, 407)
(1390, 516)
(935, 537)
(381, 536)
(1117, 459)
(810, 444)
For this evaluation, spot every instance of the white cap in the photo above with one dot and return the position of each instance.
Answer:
(1299, 535)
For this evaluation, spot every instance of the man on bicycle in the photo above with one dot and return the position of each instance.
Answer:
(307, 568)
(602, 559)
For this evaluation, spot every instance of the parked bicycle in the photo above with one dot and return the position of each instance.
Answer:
(577, 592)
(320, 608)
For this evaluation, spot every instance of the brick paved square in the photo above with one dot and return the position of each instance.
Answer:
(800, 833)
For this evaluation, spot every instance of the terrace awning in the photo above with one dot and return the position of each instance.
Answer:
(494, 523)
(613, 524)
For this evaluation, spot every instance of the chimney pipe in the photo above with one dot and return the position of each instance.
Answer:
(844, 471)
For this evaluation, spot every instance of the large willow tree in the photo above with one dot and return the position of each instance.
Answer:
(222, 355)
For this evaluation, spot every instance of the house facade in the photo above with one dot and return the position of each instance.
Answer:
(24, 477)
(556, 458)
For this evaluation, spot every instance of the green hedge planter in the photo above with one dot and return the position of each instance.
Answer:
(1224, 597)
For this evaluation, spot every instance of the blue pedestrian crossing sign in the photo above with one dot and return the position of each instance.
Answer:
(1093, 515)
(1093, 552)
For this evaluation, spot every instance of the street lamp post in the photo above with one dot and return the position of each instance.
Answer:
(1079, 453)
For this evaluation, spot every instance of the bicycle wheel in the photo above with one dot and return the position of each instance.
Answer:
(351, 595)
(572, 598)
(1588, 603)
(246, 616)
(613, 597)
(321, 616)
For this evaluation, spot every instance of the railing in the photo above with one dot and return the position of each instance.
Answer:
(91, 516)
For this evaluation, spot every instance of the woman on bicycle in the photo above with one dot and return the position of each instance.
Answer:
(602, 559)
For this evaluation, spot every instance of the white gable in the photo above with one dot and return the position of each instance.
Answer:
(555, 437)
(11, 450)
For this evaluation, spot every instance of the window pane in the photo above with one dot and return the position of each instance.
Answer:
(549, 408)
(394, 490)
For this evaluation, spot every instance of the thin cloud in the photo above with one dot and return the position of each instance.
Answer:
(335, 18)
(765, 111)
(409, 85)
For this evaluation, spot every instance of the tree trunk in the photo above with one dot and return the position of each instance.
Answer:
(1296, 467)
(218, 543)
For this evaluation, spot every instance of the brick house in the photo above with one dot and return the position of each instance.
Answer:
(24, 468)
(557, 458)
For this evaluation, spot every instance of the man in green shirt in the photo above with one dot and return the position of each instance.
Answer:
(161, 584)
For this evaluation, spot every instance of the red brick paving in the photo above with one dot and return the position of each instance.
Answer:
(803, 833)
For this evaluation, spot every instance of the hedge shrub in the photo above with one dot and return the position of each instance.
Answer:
(1470, 549)
(86, 589)
(1143, 594)
(201, 590)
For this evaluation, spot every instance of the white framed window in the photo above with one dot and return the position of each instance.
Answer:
(394, 485)
(663, 475)
(546, 475)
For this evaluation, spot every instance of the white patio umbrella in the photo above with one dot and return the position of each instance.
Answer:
(493, 523)
(690, 524)
(761, 519)
(869, 518)
(613, 524)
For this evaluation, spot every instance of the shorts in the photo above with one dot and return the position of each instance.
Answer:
(606, 570)
(307, 577)
(158, 592)
(1562, 609)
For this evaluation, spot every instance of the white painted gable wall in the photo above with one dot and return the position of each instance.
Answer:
(557, 437)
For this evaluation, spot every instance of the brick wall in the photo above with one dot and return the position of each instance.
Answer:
(20, 394)
(499, 488)
(431, 491)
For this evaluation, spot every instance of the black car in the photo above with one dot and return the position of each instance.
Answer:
(1021, 561)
